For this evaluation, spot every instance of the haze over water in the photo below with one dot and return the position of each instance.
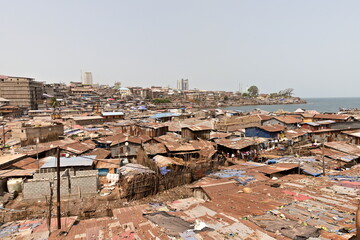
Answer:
(318, 104)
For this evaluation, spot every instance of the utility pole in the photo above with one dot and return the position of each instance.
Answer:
(3, 130)
(50, 207)
(37, 153)
(323, 159)
(58, 189)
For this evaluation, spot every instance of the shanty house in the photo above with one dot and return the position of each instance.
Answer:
(353, 135)
(112, 116)
(196, 132)
(314, 126)
(236, 146)
(334, 117)
(267, 131)
(173, 172)
(137, 181)
(75, 163)
(152, 129)
(126, 146)
(28, 134)
(289, 122)
(164, 117)
(86, 120)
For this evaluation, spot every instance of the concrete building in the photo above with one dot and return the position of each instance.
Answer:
(21, 91)
(87, 78)
(85, 120)
(28, 134)
(183, 84)
(124, 92)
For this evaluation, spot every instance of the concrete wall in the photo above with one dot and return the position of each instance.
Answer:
(84, 184)
(36, 189)
(52, 174)
(71, 186)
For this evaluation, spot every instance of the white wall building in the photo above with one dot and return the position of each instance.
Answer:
(87, 78)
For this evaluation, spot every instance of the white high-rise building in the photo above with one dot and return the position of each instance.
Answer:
(87, 78)
(183, 84)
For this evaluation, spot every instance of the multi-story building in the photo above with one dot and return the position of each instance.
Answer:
(183, 84)
(87, 78)
(21, 91)
(57, 90)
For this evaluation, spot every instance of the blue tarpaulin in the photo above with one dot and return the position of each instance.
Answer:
(164, 170)
(236, 174)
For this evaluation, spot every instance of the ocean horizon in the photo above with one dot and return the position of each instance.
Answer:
(323, 105)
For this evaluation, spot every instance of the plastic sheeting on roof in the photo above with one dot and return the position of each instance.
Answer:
(236, 174)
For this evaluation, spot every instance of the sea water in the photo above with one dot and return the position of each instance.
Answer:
(330, 105)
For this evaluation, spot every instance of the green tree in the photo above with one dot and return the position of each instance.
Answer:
(253, 91)
(287, 92)
(160, 100)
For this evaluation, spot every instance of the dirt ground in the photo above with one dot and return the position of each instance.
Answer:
(90, 207)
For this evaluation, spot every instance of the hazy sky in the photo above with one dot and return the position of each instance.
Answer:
(311, 46)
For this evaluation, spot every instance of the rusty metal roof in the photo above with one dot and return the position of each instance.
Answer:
(272, 128)
(331, 116)
(344, 147)
(288, 119)
(237, 143)
(79, 147)
(155, 148)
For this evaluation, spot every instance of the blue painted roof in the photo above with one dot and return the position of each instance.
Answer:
(69, 162)
(112, 113)
(163, 115)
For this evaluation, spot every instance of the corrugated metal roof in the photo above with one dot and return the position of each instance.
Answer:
(237, 143)
(164, 115)
(68, 162)
(112, 113)
(331, 116)
(87, 118)
(272, 128)
(344, 147)
(288, 119)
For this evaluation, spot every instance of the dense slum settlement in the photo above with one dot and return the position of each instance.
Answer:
(130, 170)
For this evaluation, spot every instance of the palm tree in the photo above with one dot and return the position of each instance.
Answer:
(54, 103)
